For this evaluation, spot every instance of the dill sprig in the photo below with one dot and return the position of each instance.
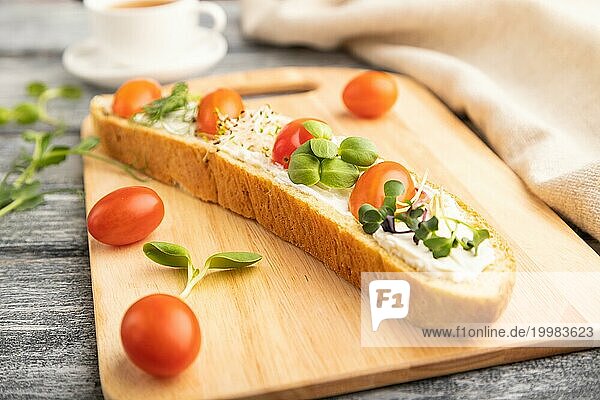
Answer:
(177, 100)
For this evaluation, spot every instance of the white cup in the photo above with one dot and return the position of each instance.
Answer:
(156, 34)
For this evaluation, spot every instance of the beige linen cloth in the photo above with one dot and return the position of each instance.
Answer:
(526, 72)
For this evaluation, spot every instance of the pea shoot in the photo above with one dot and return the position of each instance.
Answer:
(176, 256)
(20, 188)
(33, 111)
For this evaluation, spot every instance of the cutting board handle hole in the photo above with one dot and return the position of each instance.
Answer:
(277, 89)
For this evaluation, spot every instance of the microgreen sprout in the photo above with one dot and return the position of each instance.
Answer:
(320, 160)
(413, 213)
(20, 188)
(34, 111)
(176, 256)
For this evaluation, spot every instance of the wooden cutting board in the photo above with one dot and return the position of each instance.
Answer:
(290, 327)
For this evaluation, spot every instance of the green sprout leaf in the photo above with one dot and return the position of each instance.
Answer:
(30, 203)
(26, 113)
(175, 256)
(389, 205)
(416, 212)
(232, 260)
(370, 218)
(479, 235)
(426, 228)
(5, 115)
(6, 191)
(370, 227)
(167, 254)
(338, 174)
(410, 219)
(439, 246)
(368, 213)
(87, 144)
(323, 148)
(358, 151)
(304, 169)
(24, 197)
(393, 188)
(55, 156)
(36, 88)
(27, 190)
(318, 129)
(69, 92)
(304, 148)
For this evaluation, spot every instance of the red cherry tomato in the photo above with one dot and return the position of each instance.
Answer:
(369, 187)
(289, 139)
(370, 94)
(224, 101)
(133, 95)
(126, 215)
(160, 335)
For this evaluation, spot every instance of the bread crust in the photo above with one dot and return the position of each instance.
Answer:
(198, 167)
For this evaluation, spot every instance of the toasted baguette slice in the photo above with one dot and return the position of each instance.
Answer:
(195, 166)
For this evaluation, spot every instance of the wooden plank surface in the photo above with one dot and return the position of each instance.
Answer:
(47, 338)
(252, 318)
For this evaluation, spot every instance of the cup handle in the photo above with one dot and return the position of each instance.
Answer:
(215, 11)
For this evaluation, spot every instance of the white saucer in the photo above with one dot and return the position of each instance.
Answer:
(85, 60)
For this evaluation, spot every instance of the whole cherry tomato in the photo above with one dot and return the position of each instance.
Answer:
(290, 137)
(370, 94)
(369, 187)
(126, 215)
(222, 101)
(161, 335)
(133, 95)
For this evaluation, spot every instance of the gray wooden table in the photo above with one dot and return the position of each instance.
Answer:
(47, 339)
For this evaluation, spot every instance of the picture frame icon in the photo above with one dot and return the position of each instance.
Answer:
(388, 299)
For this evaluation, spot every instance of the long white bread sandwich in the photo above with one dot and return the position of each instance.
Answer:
(330, 195)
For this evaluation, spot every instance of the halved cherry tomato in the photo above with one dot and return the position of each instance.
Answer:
(126, 215)
(370, 94)
(369, 187)
(289, 139)
(222, 101)
(133, 95)
(161, 335)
